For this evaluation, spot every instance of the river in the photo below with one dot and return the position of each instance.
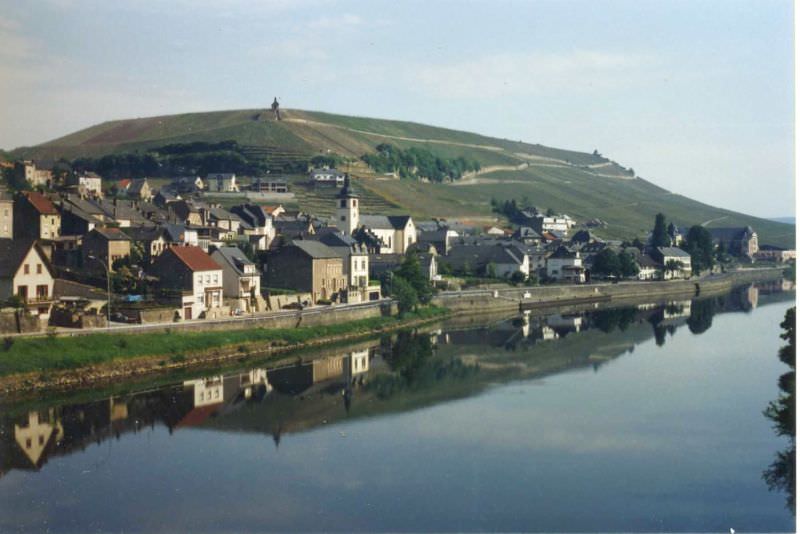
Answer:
(644, 417)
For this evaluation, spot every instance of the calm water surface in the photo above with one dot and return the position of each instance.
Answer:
(642, 418)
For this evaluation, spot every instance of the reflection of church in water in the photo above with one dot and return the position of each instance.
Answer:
(305, 394)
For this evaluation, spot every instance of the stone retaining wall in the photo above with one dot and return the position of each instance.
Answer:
(512, 298)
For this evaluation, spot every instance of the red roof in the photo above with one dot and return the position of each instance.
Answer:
(198, 415)
(41, 203)
(195, 259)
(270, 209)
(124, 183)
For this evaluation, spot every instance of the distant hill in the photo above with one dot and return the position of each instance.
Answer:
(784, 220)
(586, 186)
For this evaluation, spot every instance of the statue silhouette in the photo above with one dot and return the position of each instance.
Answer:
(276, 108)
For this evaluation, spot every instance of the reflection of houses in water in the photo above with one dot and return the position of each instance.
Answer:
(206, 391)
(40, 431)
(751, 296)
(675, 310)
(547, 333)
(564, 324)
(356, 364)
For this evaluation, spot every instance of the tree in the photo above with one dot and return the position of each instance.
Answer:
(780, 476)
(411, 272)
(517, 277)
(700, 247)
(606, 263)
(660, 236)
(404, 293)
(673, 265)
(627, 265)
(491, 270)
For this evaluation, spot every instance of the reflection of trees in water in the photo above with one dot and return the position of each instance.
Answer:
(780, 476)
(608, 320)
(701, 314)
(414, 366)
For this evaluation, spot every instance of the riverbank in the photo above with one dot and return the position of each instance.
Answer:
(496, 300)
(58, 362)
(63, 361)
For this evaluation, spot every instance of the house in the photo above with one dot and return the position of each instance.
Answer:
(241, 280)
(355, 256)
(307, 266)
(180, 234)
(163, 198)
(188, 211)
(495, 259)
(6, 216)
(765, 252)
(26, 272)
(221, 183)
(293, 227)
(197, 278)
(649, 269)
(140, 189)
(80, 215)
(583, 237)
(527, 235)
(675, 262)
(152, 240)
(87, 184)
(541, 222)
(256, 222)
(495, 231)
(36, 175)
(327, 177)
(269, 185)
(442, 240)
(566, 265)
(224, 219)
(35, 217)
(106, 244)
(740, 241)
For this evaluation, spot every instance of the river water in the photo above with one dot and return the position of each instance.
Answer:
(646, 417)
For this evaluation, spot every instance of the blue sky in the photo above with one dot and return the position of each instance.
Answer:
(696, 96)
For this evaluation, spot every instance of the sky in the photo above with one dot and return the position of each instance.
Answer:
(696, 96)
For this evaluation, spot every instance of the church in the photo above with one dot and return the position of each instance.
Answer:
(382, 234)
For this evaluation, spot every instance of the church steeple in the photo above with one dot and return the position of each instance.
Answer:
(347, 208)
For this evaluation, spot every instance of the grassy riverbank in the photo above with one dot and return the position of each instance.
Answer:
(26, 355)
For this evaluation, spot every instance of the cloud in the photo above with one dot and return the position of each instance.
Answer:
(508, 74)
(347, 20)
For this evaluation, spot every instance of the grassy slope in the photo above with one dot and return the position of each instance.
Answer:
(562, 181)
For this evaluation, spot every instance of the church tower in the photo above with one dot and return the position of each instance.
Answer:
(347, 209)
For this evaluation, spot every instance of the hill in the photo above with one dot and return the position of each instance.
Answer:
(587, 186)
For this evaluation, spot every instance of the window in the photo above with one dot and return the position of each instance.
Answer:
(38, 268)
(342, 218)
(27, 269)
(22, 291)
(41, 291)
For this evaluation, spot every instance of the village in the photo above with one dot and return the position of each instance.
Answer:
(78, 251)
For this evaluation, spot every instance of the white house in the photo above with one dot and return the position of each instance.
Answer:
(567, 265)
(25, 272)
(196, 275)
(221, 183)
(241, 280)
(679, 259)
(327, 177)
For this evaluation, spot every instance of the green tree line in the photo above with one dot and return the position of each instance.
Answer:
(418, 163)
